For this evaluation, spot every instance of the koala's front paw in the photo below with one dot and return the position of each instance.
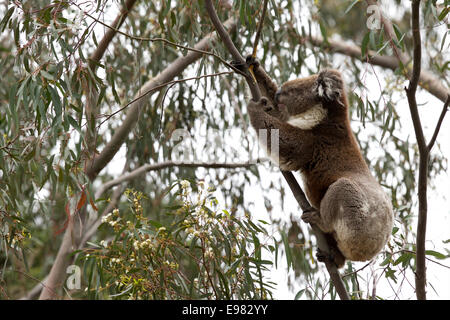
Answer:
(334, 256)
(239, 65)
(262, 104)
(251, 61)
(329, 85)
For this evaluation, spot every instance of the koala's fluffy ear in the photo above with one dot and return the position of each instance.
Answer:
(330, 86)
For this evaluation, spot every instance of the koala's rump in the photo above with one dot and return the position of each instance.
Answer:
(360, 215)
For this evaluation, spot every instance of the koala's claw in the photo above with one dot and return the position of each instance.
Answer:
(239, 65)
(251, 61)
(323, 256)
(311, 217)
(336, 257)
(264, 101)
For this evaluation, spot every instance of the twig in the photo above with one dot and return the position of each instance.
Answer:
(167, 164)
(438, 125)
(356, 271)
(226, 39)
(426, 79)
(293, 184)
(163, 40)
(257, 36)
(158, 87)
(174, 69)
(258, 32)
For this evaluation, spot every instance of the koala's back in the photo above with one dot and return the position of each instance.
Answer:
(335, 155)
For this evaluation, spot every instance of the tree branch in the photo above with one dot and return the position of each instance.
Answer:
(292, 182)
(423, 155)
(226, 39)
(427, 81)
(134, 110)
(109, 35)
(137, 173)
(438, 125)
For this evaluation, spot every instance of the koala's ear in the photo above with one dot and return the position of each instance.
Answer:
(329, 86)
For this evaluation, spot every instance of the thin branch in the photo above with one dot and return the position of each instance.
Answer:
(109, 35)
(320, 236)
(356, 271)
(138, 173)
(438, 125)
(226, 39)
(159, 87)
(427, 81)
(134, 110)
(258, 32)
(163, 40)
(293, 184)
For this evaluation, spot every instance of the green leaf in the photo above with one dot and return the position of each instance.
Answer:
(156, 224)
(444, 13)
(323, 31)
(443, 41)
(299, 294)
(242, 11)
(47, 75)
(351, 6)
(287, 249)
(386, 261)
(436, 254)
(6, 18)
(74, 123)
(56, 101)
(364, 44)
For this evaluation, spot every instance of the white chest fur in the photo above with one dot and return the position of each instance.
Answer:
(308, 119)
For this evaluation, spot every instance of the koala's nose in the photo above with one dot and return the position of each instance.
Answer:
(277, 95)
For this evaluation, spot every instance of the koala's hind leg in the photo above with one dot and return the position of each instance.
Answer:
(345, 210)
(335, 255)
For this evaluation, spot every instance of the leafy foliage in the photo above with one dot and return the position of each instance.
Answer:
(202, 253)
(55, 107)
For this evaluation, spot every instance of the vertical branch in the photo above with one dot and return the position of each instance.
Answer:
(420, 277)
(290, 179)
(428, 82)
(223, 34)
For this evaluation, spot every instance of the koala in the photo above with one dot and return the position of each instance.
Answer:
(315, 138)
